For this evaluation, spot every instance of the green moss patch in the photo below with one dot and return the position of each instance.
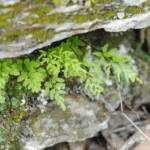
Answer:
(80, 18)
(4, 19)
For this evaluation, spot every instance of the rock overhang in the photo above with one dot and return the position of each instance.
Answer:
(26, 27)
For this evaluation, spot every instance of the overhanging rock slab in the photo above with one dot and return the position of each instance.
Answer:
(26, 27)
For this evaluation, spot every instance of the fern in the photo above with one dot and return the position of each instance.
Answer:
(53, 67)
(32, 75)
(60, 61)
(5, 69)
(110, 59)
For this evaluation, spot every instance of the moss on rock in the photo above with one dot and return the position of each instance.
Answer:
(32, 18)
(81, 18)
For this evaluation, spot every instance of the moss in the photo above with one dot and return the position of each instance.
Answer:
(57, 18)
(54, 18)
(4, 19)
(98, 12)
(95, 16)
(104, 1)
(146, 5)
(58, 2)
(12, 35)
(132, 10)
(80, 18)
(15, 145)
(97, 9)
(40, 2)
(9, 36)
(4, 24)
(19, 7)
(108, 14)
(42, 33)
(40, 9)
(1, 40)
(43, 10)
(30, 20)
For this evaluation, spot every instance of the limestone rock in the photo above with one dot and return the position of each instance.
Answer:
(8, 2)
(81, 121)
(28, 26)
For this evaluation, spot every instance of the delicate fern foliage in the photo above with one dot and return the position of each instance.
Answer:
(110, 59)
(61, 63)
(6, 70)
(94, 85)
(4, 77)
(32, 75)
(53, 67)
(93, 81)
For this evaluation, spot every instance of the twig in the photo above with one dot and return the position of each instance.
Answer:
(125, 127)
(121, 101)
(132, 110)
(136, 126)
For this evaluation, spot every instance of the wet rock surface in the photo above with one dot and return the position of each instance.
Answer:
(27, 26)
(81, 120)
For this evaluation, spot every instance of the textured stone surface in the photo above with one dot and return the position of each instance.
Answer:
(81, 120)
(8, 2)
(26, 26)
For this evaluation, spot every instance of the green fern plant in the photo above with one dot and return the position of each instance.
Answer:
(53, 67)
(32, 75)
(109, 59)
(7, 69)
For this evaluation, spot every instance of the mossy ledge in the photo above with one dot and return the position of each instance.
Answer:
(37, 24)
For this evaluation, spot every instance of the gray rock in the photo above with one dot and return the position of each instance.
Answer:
(134, 2)
(81, 120)
(8, 2)
(32, 26)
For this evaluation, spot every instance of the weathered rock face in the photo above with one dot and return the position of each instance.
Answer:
(26, 26)
(81, 120)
